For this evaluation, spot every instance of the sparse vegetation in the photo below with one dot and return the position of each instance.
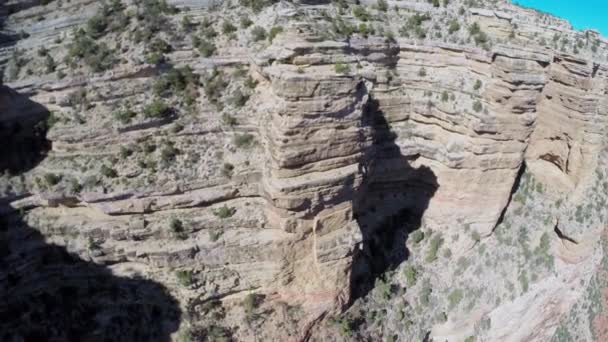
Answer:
(243, 140)
(185, 277)
(436, 242)
(477, 106)
(258, 33)
(224, 212)
(411, 275)
(342, 68)
(274, 31)
(157, 109)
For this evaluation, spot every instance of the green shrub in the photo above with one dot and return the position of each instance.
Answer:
(475, 236)
(205, 47)
(360, 13)
(425, 293)
(155, 58)
(382, 5)
(251, 302)
(215, 234)
(224, 212)
(168, 153)
(243, 140)
(250, 82)
(239, 99)
(344, 325)
(477, 106)
(185, 277)
(342, 68)
(454, 26)
(215, 85)
(229, 119)
(477, 85)
(227, 170)
(228, 27)
(474, 29)
(436, 242)
(124, 116)
(444, 96)
(257, 5)
(108, 172)
(422, 72)
(455, 297)
(97, 56)
(125, 152)
(157, 109)
(411, 275)
(52, 179)
(49, 64)
(245, 22)
(417, 236)
(176, 80)
(258, 33)
(274, 31)
(176, 225)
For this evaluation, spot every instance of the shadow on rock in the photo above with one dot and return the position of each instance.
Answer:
(49, 294)
(389, 206)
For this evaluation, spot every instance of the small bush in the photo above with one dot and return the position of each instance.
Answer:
(205, 47)
(436, 242)
(245, 22)
(185, 277)
(215, 85)
(52, 179)
(229, 120)
(477, 85)
(251, 302)
(382, 5)
(228, 28)
(454, 26)
(417, 236)
(157, 109)
(360, 13)
(477, 106)
(425, 293)
(445, 97)
(258, 33)
(422, 72)
(108, 172)
(342, 68)
(168, 153)
(455, 297)
(411, 275)
(475, 236)
(215, 234)
(125, 152)
(257, 5)
(250, 82)
(124, 116)
(274, 31)
(239, 99)
(224, 212)
(243, 140)
(227, 170)
(176, 225)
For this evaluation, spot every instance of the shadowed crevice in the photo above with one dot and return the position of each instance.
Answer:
(48, 293)
(389, 206)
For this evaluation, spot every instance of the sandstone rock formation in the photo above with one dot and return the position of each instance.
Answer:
(325, 171)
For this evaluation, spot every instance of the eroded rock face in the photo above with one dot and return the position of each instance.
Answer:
(295, 168)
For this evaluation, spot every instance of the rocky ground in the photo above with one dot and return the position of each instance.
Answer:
(324, 171)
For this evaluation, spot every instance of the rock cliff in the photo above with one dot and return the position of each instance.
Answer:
(280, 171)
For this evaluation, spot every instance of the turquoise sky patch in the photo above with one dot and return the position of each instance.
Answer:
(581, 14)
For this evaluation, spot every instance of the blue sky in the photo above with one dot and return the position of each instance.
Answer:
(581, 13)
